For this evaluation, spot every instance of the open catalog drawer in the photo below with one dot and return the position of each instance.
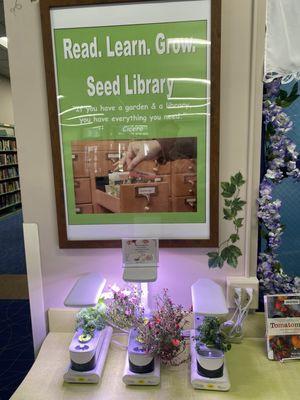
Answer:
(137, 197)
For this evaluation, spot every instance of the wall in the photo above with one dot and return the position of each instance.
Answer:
(6, 107)
(240, 118)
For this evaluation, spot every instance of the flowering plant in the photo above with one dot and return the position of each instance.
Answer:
(281, 157)
(162, 334)
(124, 308)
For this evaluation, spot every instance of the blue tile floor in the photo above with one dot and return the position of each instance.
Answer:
(16, 345)
(16, 348)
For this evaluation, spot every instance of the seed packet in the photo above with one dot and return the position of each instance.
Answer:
(282, 314)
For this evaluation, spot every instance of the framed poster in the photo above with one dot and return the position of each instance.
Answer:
(133, 95)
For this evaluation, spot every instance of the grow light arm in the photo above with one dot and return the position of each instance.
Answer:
(208, 300)
(86, 291)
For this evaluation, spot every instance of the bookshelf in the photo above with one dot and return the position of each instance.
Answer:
(10, 195)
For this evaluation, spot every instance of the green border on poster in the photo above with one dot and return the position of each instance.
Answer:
(76, 53)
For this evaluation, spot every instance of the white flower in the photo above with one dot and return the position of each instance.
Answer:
(115, 288)
(297, 282)
(107, 295)
(270, 174)
(277, 203)
(291, 147)
(291, 165)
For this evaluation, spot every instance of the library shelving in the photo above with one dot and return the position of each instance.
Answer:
(10, 195)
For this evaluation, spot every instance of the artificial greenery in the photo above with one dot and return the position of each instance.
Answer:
(228, 252)
(284, 99)
(91, 319)
(211, 335)
(281, 158)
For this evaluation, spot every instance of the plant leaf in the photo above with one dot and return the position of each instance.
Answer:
(228, 215)
(231, 254)
(228, 189)
(232, 261)
(270, 129)
(288, 102)
(234, 237)
(238, 204)
(237, 179)
(278, 267)
(238, 222)
(225, 253)
(234, 250)
(282, 94)
(294, 90)
(215, 260)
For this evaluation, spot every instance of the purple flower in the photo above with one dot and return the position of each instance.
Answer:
(272, 88)
(282, 123)
(281, 157)
(270, 111)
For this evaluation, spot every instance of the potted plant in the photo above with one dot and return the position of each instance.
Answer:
(211, 344)
(90, 320)
(162, 334)
(123, 307)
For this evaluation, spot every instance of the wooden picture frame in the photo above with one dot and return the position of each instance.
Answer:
(46, 7)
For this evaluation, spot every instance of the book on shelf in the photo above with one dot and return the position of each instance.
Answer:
(9, 186)
(10, 195)
(9, 172)
(6, 159)
(282, 313)
(10, 199)
(7, 145)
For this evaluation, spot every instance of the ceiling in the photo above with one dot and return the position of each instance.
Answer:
(4, 68)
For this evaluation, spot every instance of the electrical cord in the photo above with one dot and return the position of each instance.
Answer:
(117, 343)
(233, 328)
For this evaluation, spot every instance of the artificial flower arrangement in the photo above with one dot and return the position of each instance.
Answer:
(280, 163)
(123, 307)
(162, 334)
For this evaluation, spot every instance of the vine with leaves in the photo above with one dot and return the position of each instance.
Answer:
(233, 205)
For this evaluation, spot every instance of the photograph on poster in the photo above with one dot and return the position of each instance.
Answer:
(133, 97)
(135, 176)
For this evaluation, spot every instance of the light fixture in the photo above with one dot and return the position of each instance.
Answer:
(86, 291)
(4, 42)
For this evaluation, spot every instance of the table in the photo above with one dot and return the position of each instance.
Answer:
(252, 376)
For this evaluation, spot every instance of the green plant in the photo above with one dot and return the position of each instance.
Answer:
(91, 318)
(211, 335)
(228, 252)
